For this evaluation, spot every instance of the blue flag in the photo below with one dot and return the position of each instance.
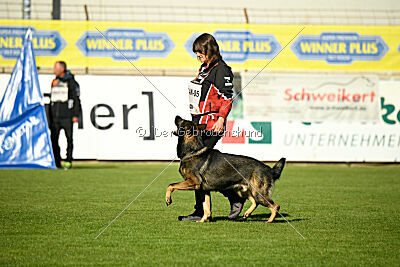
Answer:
(24, 135)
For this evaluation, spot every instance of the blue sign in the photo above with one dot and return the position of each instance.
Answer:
(340, 47)
(24, 135)
(133, 43)
(239, 46)
(45, 43)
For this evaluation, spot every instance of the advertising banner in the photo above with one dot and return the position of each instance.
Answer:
(311, 97)
(320, 142)
(126, 118)
(348, 141)
(340, 47)
(169, 45)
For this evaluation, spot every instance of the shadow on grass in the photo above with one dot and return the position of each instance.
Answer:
(261, 218)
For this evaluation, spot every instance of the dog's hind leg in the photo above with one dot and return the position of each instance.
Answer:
(267, 201)
(252, 207)
(206, 207)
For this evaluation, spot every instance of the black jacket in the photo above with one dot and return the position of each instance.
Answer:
(64, 97)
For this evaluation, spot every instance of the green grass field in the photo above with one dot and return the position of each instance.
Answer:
(348, 215)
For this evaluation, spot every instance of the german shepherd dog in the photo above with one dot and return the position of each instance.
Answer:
(208, 170)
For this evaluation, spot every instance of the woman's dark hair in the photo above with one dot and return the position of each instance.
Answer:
(207, 45)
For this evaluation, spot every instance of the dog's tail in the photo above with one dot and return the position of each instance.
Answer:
(278, 168)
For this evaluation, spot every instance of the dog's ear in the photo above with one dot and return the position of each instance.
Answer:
(178, 119)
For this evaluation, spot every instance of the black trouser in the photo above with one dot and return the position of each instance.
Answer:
(55, 129)
(210, 139)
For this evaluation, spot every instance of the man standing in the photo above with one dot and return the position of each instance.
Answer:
(64, 110)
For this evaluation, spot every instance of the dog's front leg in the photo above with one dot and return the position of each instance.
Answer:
(168, 199)
(206, 207)
(185, 185)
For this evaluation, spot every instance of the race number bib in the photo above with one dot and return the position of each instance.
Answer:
(59, 92)
(194, 97)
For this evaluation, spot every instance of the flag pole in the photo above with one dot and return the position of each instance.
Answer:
(28, 34)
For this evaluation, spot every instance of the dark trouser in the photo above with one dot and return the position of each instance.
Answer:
(210, 139)
(55, 129)
(230, 194)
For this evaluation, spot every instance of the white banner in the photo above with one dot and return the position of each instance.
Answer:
(311, 97)
(120, 111)
(338, 142)
(125, 117)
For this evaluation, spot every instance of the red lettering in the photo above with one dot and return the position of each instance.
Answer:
(340, 96)
(319, 96)
(303, 93)
(372, 96)
(356, 98)
(345, 97)
(364, 97)
(287, 92)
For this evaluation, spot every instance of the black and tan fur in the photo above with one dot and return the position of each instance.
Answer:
(208, 170)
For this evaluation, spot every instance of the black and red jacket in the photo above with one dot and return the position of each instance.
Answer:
(216, 93)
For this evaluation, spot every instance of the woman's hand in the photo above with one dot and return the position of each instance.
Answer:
(219, 125)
